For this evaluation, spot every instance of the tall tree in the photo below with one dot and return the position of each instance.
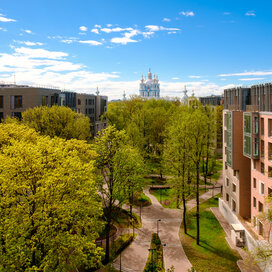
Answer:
(197, 143)
(49, 207)
(58, 121)
(177, 155)
(107, 144)
(129, 167)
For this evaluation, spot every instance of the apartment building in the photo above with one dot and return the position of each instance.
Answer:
(212, 100)
(14, 99)
(247, 156)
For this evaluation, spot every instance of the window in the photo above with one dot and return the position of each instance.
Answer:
(86, 102)
(79, 102)
(1, 117)
(233, 187)
(44, 100)
(1, 101)
(262, 148)
(227, 197)
(247, 123)
(260, 204)
(270, 151)
(228, 137)
(256, 147)
(227, 182)
(52, 100)
(228, 120)
(270, 127)
(262, 167)
(269, 171)
(16, 101)
(254, 202)
(254, 183)
(233, 206)
(86, 111)
(269, 191)
(261, 188)
(256, 125)
(229, 159)
(262, 126)
(247, 145)
(17, 115)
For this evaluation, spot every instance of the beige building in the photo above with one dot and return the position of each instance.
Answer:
(15, 99)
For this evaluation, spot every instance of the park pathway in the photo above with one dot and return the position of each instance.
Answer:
(134, 258)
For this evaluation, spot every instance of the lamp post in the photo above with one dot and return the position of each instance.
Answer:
(159, 220)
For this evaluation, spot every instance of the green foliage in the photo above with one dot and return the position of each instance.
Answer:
(58, 121)
(49, 207)
(223, 258)
(121, 244)
(155, 258)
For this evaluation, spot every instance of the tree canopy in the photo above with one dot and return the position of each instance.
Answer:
(49, 207)
(58, 121)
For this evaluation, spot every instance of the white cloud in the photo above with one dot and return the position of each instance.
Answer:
(3, 29)
(256, 73)
(28, 31)
(187, 13)
(166, 20)
(91, 42)
(116, 29)
(194, 76)
(250, 13)
(28, 43)
(39, 53)
(175, 78)
(127, 37)
(97, 26)
(251, 79)
(4, 19)
(83, 28)
(109, 25)
(67, 41)
(153, 28)
(95, 30)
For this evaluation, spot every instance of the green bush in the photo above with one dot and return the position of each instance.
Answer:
(155, 258)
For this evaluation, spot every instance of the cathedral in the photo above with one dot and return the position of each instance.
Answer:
(150, 88)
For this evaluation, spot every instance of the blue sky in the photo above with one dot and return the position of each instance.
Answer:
(206, 45)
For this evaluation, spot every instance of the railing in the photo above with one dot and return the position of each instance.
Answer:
(252, 107)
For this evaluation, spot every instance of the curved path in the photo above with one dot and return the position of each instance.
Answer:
(135, 256)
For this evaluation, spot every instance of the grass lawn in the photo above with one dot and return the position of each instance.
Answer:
(168, 198)
(213, 254)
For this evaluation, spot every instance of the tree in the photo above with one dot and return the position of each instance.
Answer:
(210, 142)
(129, 171)
(107, 144)
(177, 155)
(58, 121)
(49, 207)
(198, 138)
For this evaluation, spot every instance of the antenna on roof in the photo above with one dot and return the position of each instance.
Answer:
(14, 77)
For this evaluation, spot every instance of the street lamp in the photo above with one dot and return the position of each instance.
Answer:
(159, 220)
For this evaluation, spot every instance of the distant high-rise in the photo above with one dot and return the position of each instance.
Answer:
(150, 88)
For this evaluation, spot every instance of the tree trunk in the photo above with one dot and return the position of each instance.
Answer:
(184, 213)
(178, 198)
(107, 256)
(197, 203)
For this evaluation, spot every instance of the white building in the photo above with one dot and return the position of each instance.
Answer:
(150, 88)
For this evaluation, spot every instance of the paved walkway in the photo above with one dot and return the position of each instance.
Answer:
(135, 256)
